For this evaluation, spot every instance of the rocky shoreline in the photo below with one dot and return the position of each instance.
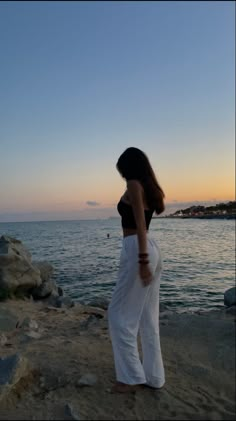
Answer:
(57, 363)
(56, 360)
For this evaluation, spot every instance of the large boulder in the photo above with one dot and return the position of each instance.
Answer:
(10, 245)
(48, 286)
(230, 297)
(45, 268)
(17, 273)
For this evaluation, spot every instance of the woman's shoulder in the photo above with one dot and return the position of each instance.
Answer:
(135, 189)
(134, 184)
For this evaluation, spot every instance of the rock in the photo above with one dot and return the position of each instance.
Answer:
(17, 274)
(102, 303)
(60, 291)
(21, 276)
(3, 339)
(165, 314)
(10, 245)
(48, 286)
(55, 309)
(28, 323)
(231, 310)
(12, 369)
(87, 380)
(61, 302)
(34, 335)
(45, 290)
(230, 297)
(164, 322)
(95, 311)
(45, 268)
(91, 320)
(65, 302)
(70, 413)
(29, 328)
(8, 320)
(29, 336)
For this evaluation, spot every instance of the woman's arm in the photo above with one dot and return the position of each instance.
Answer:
(135, 192)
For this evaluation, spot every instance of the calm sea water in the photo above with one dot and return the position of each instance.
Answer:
(198, 257)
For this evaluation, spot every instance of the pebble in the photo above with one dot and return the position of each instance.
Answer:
(69, 411)
(87, 380)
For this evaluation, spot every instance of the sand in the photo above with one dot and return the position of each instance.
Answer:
(198, 353)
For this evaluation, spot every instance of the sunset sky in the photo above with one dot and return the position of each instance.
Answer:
(82, 81)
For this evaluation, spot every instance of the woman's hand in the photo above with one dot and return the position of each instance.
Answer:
(145, 274)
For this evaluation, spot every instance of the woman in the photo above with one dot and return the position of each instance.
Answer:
(135, 302)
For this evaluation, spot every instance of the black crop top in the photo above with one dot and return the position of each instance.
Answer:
(127, 215)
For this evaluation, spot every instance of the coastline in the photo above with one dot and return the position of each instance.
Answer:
(226, 217)
(69, 343)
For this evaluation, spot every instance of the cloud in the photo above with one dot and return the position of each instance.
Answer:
(92, 203)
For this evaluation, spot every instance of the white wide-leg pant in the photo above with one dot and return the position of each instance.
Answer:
(135, 309)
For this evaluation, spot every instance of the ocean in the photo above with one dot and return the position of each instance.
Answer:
(198, 257)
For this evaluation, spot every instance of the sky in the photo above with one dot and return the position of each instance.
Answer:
(82, 81)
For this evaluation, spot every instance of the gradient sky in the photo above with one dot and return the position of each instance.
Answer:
(82, 81)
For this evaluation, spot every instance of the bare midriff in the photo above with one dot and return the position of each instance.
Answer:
(129, 231)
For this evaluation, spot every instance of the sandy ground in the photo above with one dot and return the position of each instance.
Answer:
(198, 353)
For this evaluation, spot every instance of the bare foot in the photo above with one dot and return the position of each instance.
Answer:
(125, 388)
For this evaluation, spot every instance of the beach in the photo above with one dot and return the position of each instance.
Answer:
(59, 346)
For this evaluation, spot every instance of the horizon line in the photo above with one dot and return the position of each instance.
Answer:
(96, 218)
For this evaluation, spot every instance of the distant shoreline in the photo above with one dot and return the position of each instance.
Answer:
(219, 211)
(197, 217)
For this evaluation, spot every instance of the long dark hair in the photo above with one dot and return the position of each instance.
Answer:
(133, 164)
